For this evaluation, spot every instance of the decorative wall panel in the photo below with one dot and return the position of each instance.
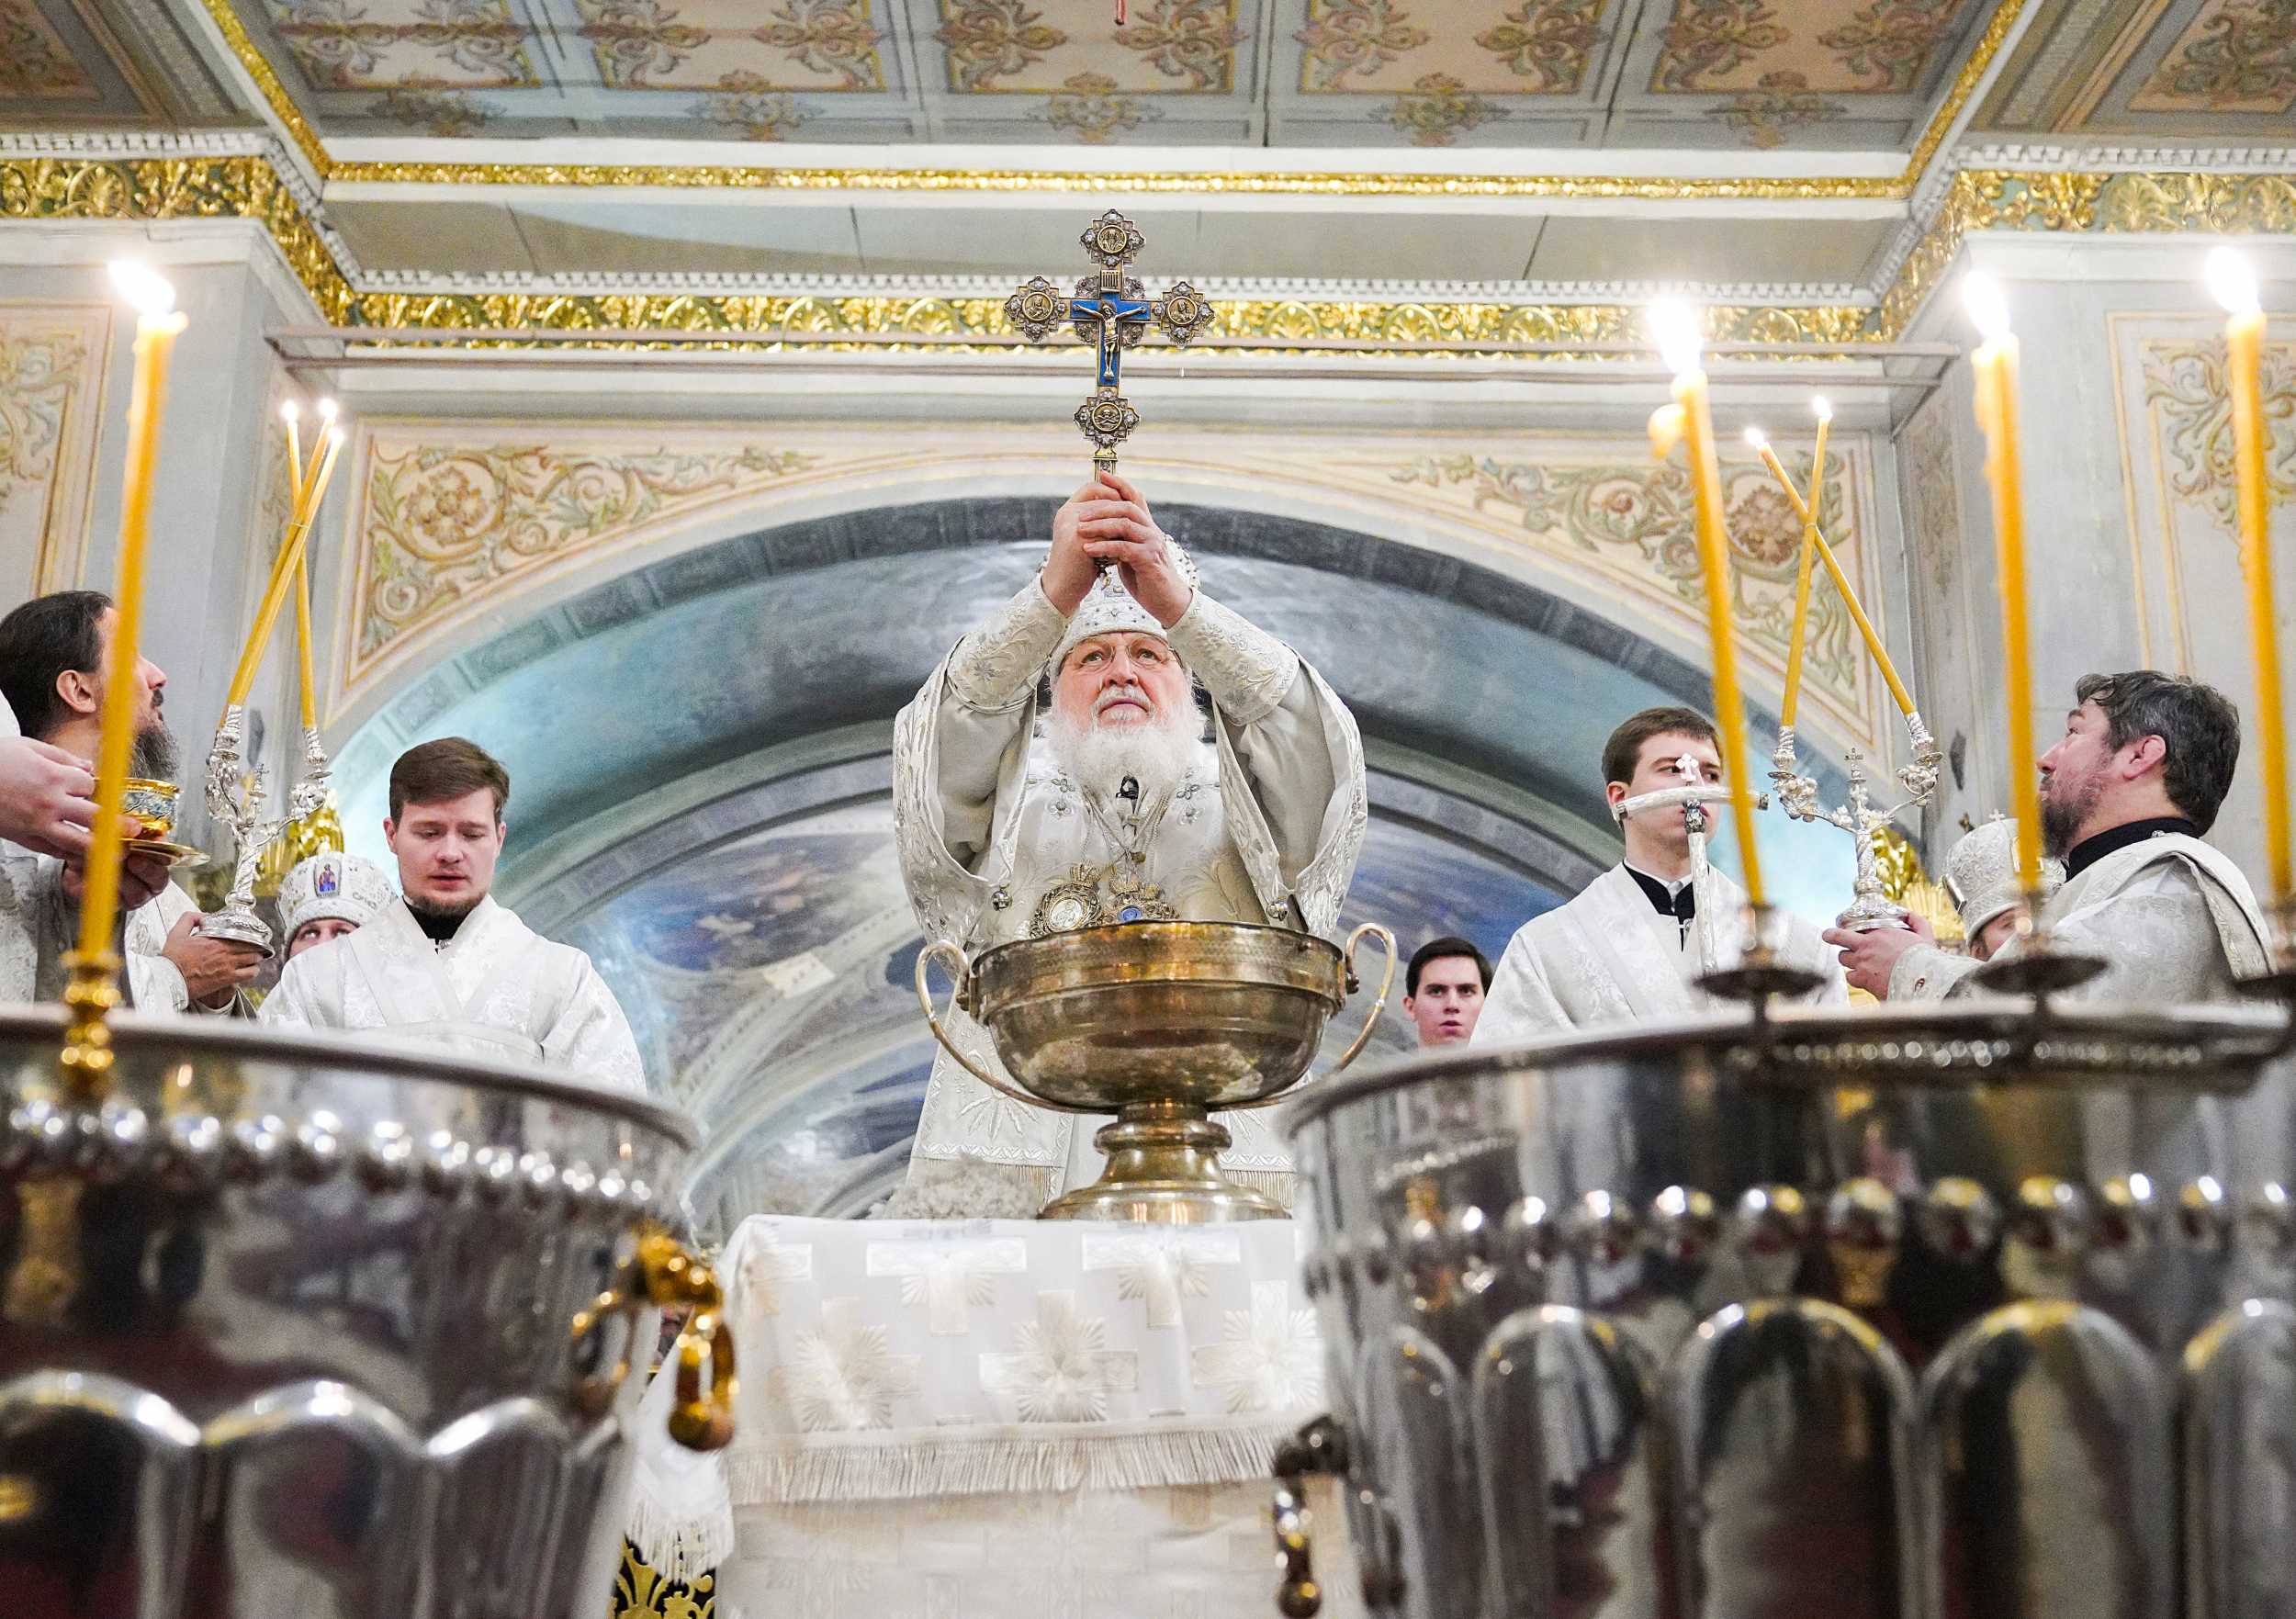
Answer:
(2176, 427)
(452, 522)
(52, 359)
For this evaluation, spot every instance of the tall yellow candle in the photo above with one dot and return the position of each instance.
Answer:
(157, 327)
(303, 639)
(282, 573)
(1996, 366)
(2234, 286)
(1814, 540)
(1676, 329)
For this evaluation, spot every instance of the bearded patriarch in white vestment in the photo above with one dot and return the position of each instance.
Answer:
(495, 990)
(1007, 834)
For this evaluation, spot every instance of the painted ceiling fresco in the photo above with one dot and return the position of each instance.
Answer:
(1287, 73)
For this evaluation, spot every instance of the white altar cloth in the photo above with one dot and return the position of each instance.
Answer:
(996, 1417)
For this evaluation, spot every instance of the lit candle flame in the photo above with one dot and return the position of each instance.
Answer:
(1821, 406)
(1981, 294)
(1674, 328)
(1756, 439)
(291, 411)
(2231, 282)
(147, 290)
(327, 409)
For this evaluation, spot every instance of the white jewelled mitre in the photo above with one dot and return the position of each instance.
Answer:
(1110, 608)
(1981, 875)
(330, 884)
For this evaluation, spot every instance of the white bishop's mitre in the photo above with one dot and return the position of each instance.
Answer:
(330, 884)
(1981, 875)
(1110, 608)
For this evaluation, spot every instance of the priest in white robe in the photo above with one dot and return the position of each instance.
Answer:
(445, 964)
(53, 650)
(1628, 949)
(1112, 806)
(2127, 795)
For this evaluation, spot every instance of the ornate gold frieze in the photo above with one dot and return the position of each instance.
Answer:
(819, 321)
(246, 187)
(249, 187)
(275, 94)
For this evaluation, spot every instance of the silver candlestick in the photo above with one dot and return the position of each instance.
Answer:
(237, 802)
(1797, 795)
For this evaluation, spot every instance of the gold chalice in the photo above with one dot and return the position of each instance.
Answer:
(152, 806)
(1162, 1024)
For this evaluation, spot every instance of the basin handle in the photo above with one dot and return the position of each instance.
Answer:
(1316, 1449)
(944, 950)
(666, 1273)
(1387, 983)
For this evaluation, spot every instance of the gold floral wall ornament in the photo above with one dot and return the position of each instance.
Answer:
(442, 112)
(340, 45)
(1091, 108)
(51, 384)
(1189, 39)
(1888, 44)
(745, 101)
(2185, 392)
(834, 39)
(438, 525)
(991, 40)
(636, 41)
(1550, 41)
(1764, 116)
(1636, 518)
(2236, 56)
(1436, 109)
(35, 63)
(1345, 36)
(1709, 40)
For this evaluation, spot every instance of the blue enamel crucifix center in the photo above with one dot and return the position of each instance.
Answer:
(1111, 311)
(1108, 312)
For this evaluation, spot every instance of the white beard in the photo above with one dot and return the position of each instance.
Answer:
(1155, 754)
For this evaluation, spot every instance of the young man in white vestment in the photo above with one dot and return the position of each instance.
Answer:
(53, 650)
(1119, 809)
(445, 964)
(1980, 876)
(1627, 949)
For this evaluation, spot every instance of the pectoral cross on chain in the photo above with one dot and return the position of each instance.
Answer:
(1110, 311)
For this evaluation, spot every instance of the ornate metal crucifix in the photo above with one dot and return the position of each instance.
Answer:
(1110, 311)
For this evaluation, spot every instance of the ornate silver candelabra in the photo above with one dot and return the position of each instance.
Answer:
(1797, 795)
(235, 798)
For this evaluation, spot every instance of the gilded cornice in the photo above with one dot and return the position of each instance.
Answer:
(815, 321)
(1248, 183)
(240, 188)
(267, 82)
(252, 187)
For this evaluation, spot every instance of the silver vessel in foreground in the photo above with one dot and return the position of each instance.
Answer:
(1978, 1310)
(320, 1329)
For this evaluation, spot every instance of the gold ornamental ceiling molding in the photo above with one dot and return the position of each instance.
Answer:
(1337, 184)
(250, 187)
